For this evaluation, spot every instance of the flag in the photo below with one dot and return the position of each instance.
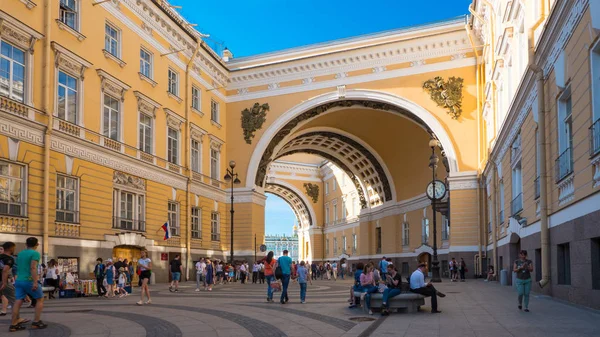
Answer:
(167, 230)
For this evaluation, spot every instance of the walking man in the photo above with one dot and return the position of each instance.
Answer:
(200, 274)
(255, 267)
(99, 274)
(462, 268)
(28, 284)
(285, 262)
(243, 272)
(7, 289)
(418, 285)
(175, 273)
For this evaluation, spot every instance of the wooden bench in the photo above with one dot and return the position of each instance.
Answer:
(409, 301)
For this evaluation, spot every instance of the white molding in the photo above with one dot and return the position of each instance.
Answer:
(463, 181)
(426, 116)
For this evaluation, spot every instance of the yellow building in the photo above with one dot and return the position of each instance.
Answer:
(116, 118)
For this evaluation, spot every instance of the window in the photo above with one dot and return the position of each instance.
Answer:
(196, 158)
(111, 117)
(445, 228)
(343, 209)
(128, 211)
(111, 40)
(501, 202)
(145, 63)
(344, 244)
(564, 162)
(354, 243)
(405, 233)
(343, 179)
(173, 216)
(12, 72)
(214, 111)
(12, 189)
(405, 268)
(517, 189)
(564, 264)
(595, 73)
(173, 83)
(425, 231)
(335, 213)
(66, 199)
(335, 246)
(68, 13)
(145, 133)
(354, 206)
(215, 228)
(214, 164)
(334, 183)
(490, 214)
(595, 263)
(67, 97)
(326, 246)
(196, 223)
(326, 188)
(378, 239)
(327, 214)
(196, 99)
(173, 146)
(536, 182)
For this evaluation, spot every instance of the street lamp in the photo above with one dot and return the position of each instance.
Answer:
(233, 177)
(436, 190)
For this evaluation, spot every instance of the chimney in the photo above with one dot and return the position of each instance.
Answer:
(227, 55)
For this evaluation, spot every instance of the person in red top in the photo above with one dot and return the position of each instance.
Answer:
(269, 262)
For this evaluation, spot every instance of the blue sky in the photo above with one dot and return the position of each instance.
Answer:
(250, 27)
(279, 216)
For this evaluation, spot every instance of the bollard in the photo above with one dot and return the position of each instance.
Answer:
(504, 277)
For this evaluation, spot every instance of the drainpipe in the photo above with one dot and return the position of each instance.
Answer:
(497, 268)
(47, 64)
(187, 141)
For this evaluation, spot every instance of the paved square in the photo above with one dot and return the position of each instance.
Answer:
(474, 308)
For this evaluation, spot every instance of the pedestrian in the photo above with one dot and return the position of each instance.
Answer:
(145, 272)
(334, 270)
(394, 288)
(121, 282)
(261, 272)
(523, 268)
(176, 270)
(210, 275)
(99, 270)
(200, 274)
(243, 272)
(219, 268)
(357, 285)
(418, 285)
(462, 269)
(52, 277)
(343, 271)
(303, 278)
(269, 263)
(7, 289)
(28, 283)
(285, 262)
(383, 267)
(313, 268)
(453, 270)
(110, 278)
(369, 285)
(490, 274)
(130, 272)
(255, 267)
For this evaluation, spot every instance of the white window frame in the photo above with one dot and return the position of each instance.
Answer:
(326, 247)
(173, 156)
(196, 98)
(173, 82)
(173, 216)
(215, 162)
(61, 201)
(215, 111)
(445, 228)
(425, 230)
(335, 213)
(215, 227)
(12, 63)
(334, 184)
(196, 223)
(107, 39)
(23, 190)
(343, 209)
(196, 165)
(344, 244)
(335, 247)
(143, 131)
(77, 15)
(405, 233)
(147, 63)
(138, 210)
(565, 115)
(327, 214)
(501, 202)
(354, 206)
(107, 109)
(595, 74)
(326, 188)
(68, 92)
(354, 243)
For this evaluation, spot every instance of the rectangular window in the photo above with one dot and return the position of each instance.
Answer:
(196, 99)
(335, 246)
(595, 73)
(214, 111)
(343, 179)
(214, 164)
(595, 263)
(334, 182)
(354, 206)
(378, 240)
(12, 187)
(501, 202)
(129, 211)
(111, 117)
(425, 231)
(564, 162)
(173, 215)
(173, 146)
(326, 246)
(326, 188)
(173, 85)
(536, 182)
(12, 72)
(145, 133)
(111, 40)
(67, 97)
(326, 215)
(196, 159)
(344, 244)
(66, 199)
(354, 243)
(564, 263)
(68, 13)
(335, 213)
(196, 223)
(145, 63)
(344, 209)
(215, 227)
(405, 233)
(445, 228)
(517, 189)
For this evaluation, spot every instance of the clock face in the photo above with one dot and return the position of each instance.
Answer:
(440, 190)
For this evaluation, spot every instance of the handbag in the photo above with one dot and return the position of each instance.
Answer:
(278, 273)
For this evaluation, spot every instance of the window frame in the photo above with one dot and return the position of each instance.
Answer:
(67, 89)
(111, 110)
(173, 216)
(215, 111)
(215, 226)
(138, 210)
(405, 233)
(173, 154)
(216, 161)
(173, 83)
(196, 222)
(354, 243)
(75, 210)
(142, 132)
(149, 63)
(12, 62)
(23, 189)
(77, 15)
(117, 39)
(198, 161)
(196, 98)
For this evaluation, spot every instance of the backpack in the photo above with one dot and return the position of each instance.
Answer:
(278, 273)
(99, 270)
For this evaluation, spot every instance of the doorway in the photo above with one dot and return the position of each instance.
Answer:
(425, 258)
(132, 254)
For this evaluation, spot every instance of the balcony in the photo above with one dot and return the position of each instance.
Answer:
(112, 144)
(564, 165)
(174, 168)
(14, 107)
(595, 138)
(66, 229)
(536, 185)
(67, 127)
(129, 224)
(146, 157)
(516, 205)
(13, 224)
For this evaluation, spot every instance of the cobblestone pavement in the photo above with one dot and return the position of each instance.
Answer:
(473, 308)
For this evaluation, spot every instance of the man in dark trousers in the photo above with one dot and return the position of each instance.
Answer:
(99, 274)
(418, 285)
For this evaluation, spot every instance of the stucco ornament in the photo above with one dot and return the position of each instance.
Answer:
(312, 190)
(446, 94)
(253, 120)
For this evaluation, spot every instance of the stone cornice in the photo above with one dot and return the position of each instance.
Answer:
(463, 181)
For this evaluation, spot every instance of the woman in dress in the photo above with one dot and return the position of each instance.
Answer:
(52, 277)
(110, 278)
(145, 267)
(210, 275)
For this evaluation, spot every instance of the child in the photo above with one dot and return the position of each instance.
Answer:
(302, 278)
(110, 278)
(122, 282)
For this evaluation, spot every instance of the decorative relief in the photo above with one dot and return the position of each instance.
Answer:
(308, 80)
(341, 91)
(197, 133)
(64, 63)
(417, 63)
(125, 179)
(566, 191)
(111, 85)
(253, 120)
(458, 56)
(596, 166)
(146, 28)
(312, 190)
(273, 86)
(242, 91)
(146, 104)
(379, 69)
(446, 94)
(28, 3)
(173, 122)
(15, 36)
(341, 75)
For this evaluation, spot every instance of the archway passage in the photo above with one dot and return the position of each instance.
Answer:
(295, 200)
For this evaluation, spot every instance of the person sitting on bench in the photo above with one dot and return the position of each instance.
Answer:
(394, 288)
(418, 286)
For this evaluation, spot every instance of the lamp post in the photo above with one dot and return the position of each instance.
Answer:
(233, 177)
(435, 191)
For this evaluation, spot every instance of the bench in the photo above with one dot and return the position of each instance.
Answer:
(47, 290)
(409, 301)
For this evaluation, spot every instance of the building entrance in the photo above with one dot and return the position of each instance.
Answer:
(131, 254)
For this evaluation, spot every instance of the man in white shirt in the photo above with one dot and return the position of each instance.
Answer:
(255, 268)
(243, 272)
(418, 285)
(200, 274)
